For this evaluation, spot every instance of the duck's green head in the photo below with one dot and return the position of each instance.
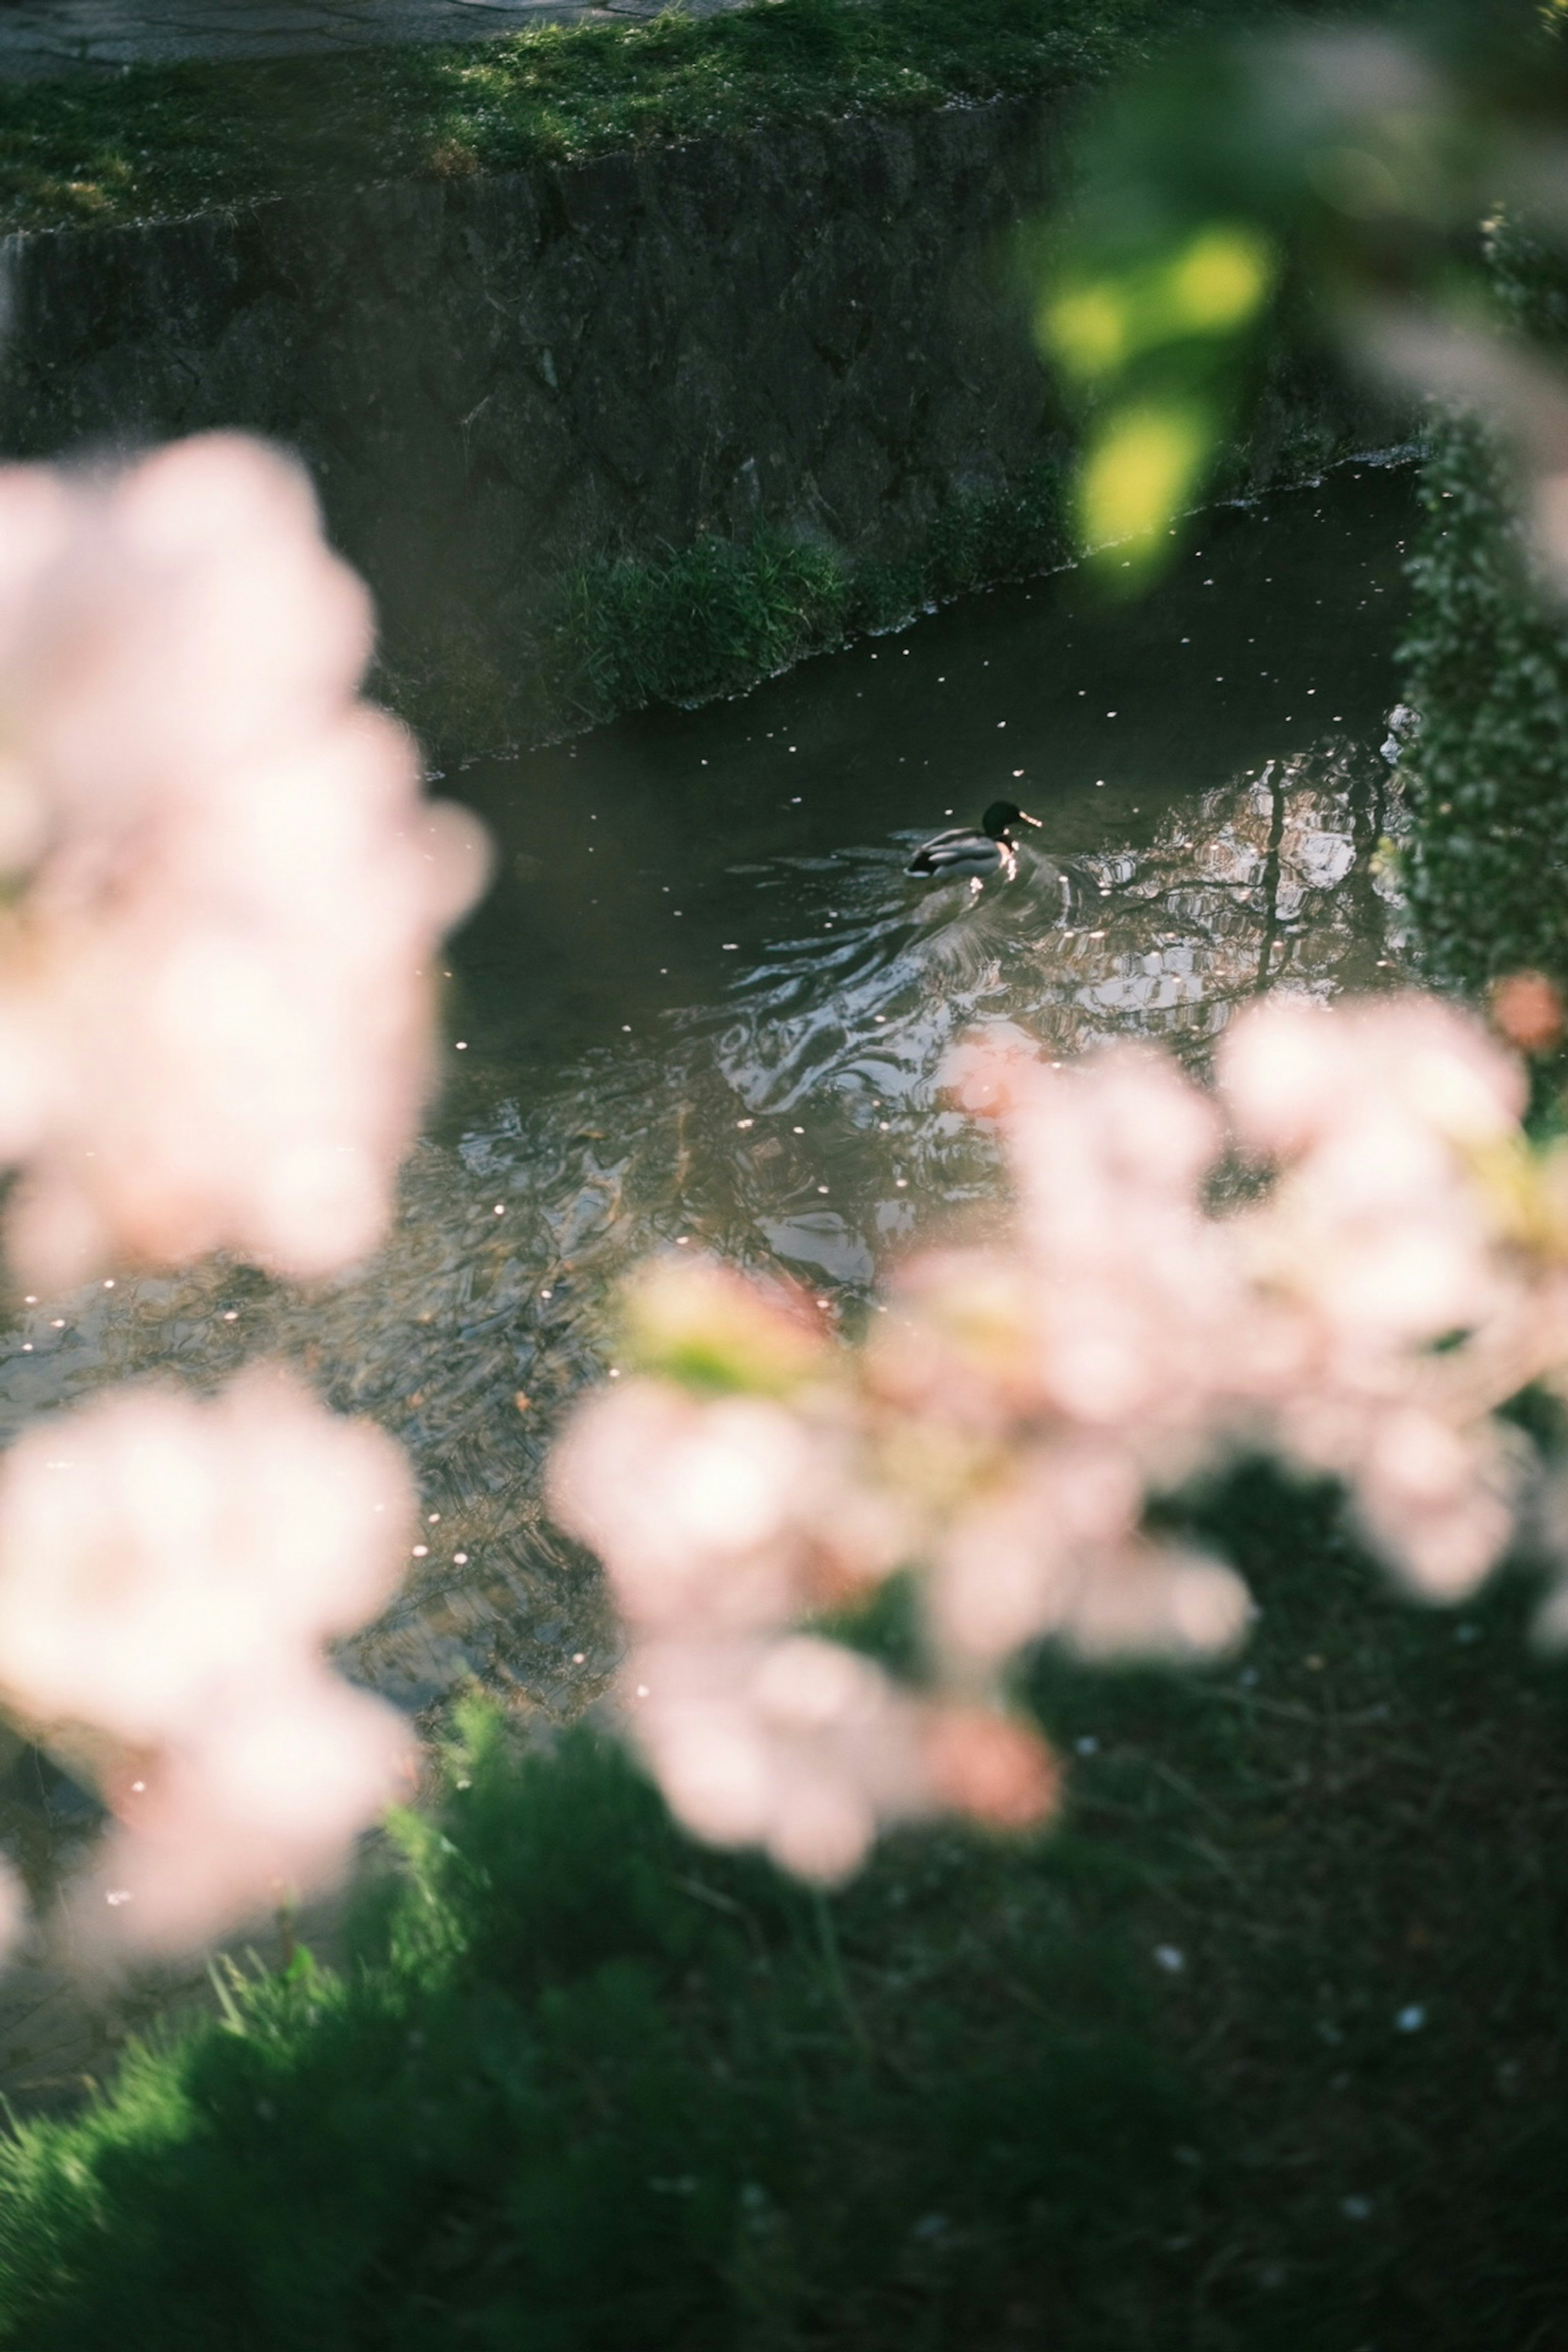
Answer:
(1002, 816)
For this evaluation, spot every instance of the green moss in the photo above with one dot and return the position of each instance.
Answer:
(162, 141)
(1487, 667)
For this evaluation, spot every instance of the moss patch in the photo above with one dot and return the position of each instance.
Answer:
(162, 141)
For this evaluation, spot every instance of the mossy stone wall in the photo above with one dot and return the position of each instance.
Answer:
(512, 388)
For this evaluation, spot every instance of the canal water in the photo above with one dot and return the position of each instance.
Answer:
(704, 1004)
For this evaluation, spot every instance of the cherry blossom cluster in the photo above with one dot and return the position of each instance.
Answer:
(170, 1570)
(216, 956)
(1343, 1254)
(221, 896)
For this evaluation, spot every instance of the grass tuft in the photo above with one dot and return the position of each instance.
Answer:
(162, 141)
(1263, 2051)
(713, 618)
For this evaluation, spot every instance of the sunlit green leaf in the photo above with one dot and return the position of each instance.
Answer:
(1221, 280)
(1208, 286)
(1139, 471)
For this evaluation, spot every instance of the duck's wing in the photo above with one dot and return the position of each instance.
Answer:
(957, 851)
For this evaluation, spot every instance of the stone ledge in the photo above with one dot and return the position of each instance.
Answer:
(44, 39)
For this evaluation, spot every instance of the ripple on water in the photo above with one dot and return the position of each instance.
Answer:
(1262, 880)
(779, 1102)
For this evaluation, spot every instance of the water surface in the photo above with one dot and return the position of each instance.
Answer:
(703, 1004)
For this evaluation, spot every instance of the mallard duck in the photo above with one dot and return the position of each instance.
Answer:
(962, 853)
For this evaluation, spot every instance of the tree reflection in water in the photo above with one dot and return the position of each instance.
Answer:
(1276, 880)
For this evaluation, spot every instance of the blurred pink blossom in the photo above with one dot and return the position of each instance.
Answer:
(1374, 1113)
(1380, 1238)
(1435, 1498)
(170, 1570)
(1392, 1269)
(264, 1806)
(698, 1508)
(739, 1512)
(1526, 1006)
(215, 982)
(991, 1768)
(224, 894)
(807, 1748)
(1296, 1074)
(1128, 1285)
(797, 1746)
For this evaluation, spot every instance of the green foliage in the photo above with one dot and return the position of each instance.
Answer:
(709, 620)
(1330, 179)
(158, 140)
(1244, 179)
(714, 618)
(1486, 663)
(1154, 295)
(582, 2087)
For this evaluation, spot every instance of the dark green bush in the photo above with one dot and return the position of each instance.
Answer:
(1487, 667)
(1142, 2086)
(587, 2088)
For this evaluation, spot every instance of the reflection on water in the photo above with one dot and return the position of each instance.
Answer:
(1270, 877)
(706, 1007)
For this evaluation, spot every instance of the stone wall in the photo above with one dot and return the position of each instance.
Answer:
(497, 380)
